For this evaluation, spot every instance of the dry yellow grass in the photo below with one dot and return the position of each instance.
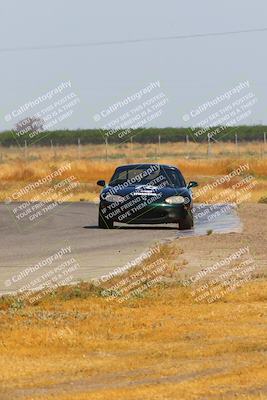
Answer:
(160, 346)
(89, 165)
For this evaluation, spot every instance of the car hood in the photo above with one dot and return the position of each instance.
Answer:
(147, 190)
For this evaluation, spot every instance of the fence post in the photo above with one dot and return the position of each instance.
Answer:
(51, 145)
(209, 146)
(79, 148)
(106, 141)
(25, 149)
(187, 144)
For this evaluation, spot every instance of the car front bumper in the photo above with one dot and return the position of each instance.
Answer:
(155, 213)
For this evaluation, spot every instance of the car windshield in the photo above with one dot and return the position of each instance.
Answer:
(147, 175)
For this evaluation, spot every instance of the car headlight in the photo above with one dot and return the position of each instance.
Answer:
(114, 198)
(175, 200)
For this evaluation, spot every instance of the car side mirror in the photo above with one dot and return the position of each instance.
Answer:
(192, 184)
(101, 182)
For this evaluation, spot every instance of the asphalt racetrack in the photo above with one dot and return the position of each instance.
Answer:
(73, 226)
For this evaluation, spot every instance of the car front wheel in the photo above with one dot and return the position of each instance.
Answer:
(104, 223)
(187, 222)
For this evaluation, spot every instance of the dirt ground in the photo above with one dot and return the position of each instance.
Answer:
(203, 251)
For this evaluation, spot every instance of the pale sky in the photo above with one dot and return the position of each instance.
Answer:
(190, 71)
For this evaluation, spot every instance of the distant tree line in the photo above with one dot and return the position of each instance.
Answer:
(148, 135)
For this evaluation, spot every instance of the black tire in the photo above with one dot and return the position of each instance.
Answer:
(187, 222)
(104, 223)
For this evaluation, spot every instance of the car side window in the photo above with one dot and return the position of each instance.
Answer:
(118, 177)
(122, 176)
(176, 178)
